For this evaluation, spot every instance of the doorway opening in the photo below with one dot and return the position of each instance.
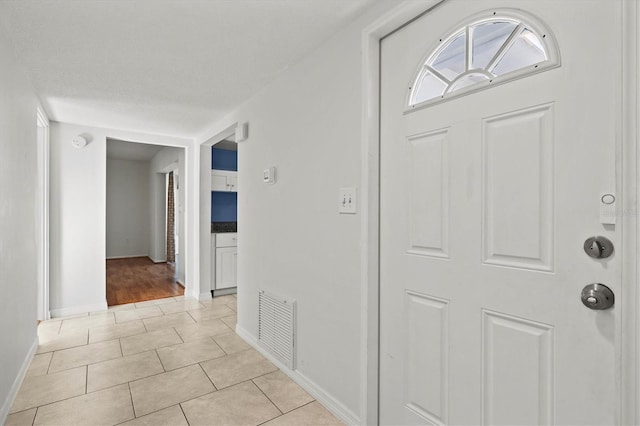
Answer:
(144, 222)
(219, 214)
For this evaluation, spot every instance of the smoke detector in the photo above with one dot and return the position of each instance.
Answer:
(79, 142)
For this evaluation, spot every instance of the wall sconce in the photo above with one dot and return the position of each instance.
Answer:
(79, 141)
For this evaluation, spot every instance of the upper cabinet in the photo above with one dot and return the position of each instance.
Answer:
(224, 180)
(224, 174)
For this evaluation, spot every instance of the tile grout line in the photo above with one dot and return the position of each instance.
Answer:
(177, 403)
(267, 396)
(207, 376)
(219, 347)
(205, 373)
(49, 365)
(160, 359)
(295, 409)
(71, 397)
(245, 381)
(133, 406)
(179, 336)
(183, 413)
(33, 422)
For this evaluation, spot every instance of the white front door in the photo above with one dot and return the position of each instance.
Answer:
(486, 201)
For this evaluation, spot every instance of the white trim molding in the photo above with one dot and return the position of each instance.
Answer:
(372, 36)
(628, 163)
(15, 386)
(43, 149)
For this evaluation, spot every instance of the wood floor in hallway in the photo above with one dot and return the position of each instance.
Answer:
(137, 279)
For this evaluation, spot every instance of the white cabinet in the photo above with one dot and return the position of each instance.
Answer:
(225, 265)
(224, 180)
(213, 262)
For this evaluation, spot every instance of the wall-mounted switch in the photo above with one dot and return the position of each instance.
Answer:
(348, 201)
(269, 175)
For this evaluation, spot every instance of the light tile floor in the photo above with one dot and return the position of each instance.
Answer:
(169, 362)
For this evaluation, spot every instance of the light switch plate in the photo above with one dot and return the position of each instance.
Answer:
(348, 201)
(269, 175)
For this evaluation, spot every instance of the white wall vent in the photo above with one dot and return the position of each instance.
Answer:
(276, 327)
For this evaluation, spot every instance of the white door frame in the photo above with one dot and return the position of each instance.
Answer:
(42, 123)
(628, 164)
(205, 206)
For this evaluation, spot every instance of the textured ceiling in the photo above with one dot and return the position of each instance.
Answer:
(159, 66)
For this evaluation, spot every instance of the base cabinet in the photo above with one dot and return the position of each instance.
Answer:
(224, 265)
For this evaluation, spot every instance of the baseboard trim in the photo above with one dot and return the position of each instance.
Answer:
(74, 310)
(224, 291)
(205, 296)
(15, 387)
(336, 407)
(128, 257)
(157, 260)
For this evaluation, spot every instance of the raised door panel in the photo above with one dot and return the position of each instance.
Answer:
(429, 194)
(427, 365)
(518, 176)
(518, 370)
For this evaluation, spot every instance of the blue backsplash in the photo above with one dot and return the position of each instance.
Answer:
(221, 159)
(224, 205)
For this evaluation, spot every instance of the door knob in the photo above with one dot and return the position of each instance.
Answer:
(598, 247)
(597, 296)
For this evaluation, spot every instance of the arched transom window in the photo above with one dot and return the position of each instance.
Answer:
(494, 48)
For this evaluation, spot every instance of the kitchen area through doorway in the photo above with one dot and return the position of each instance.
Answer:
(224, 217)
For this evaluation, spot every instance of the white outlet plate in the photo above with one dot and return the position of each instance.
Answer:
(348, 201)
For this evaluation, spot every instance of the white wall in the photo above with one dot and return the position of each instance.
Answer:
(292, 241)
(77, 216)
(128, 205)
(18, 219)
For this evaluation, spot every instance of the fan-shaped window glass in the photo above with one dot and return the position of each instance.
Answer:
(485, 52)
(487, 39)
(450, 60)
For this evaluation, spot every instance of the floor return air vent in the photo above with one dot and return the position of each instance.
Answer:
(276, 327)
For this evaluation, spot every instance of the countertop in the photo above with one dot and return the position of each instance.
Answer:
(223, 227)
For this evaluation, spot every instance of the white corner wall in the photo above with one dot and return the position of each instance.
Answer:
(128, 204)
(78, 219)
(18, 224)
(291, 240)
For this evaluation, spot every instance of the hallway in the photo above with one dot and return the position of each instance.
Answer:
(136, 279)
(171, 361)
